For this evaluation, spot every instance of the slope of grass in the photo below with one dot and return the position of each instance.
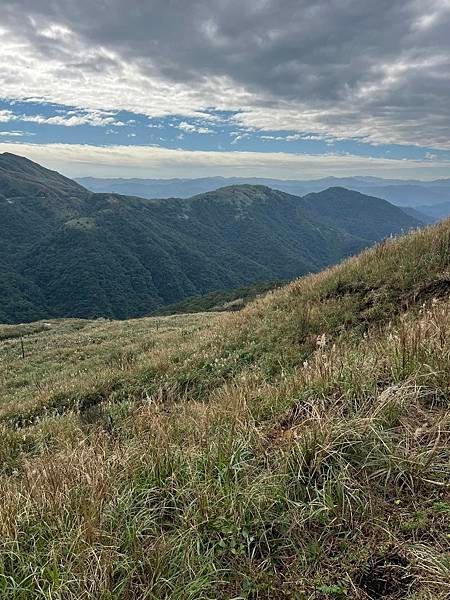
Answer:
(296, 450)
(220, 300)
(76, 361)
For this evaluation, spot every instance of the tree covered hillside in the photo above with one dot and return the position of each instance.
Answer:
(66, 252)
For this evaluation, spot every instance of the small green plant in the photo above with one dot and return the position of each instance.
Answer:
(333, 591)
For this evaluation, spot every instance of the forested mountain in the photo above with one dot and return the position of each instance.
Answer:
(68, 252)
(21, 177)
(411, 193)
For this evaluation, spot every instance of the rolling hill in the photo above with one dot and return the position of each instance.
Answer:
(66, 252)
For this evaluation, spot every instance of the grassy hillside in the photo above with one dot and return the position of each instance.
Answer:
(88, 255)
(295, 450)
(221, 300)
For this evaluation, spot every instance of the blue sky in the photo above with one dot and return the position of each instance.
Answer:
(217, 131)
(42, 123)
(225, 90)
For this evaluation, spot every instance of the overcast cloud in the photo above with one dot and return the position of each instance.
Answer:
(378, 71)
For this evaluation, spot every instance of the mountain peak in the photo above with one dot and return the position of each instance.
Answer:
(237, 192)
(20, 176)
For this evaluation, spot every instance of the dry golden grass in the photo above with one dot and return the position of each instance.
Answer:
(77, 357)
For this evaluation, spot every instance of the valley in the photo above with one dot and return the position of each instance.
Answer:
(67, 252)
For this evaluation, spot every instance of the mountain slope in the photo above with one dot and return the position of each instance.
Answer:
(298, 449)
(20, 177)
(418, 214)
(343, 208)
(87, 255)
(437, 211)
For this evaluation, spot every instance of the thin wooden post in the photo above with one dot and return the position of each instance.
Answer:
(22, 346)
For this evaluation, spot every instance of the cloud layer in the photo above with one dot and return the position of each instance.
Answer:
(142, 161)
(375, 71)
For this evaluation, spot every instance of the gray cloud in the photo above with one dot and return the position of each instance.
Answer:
(376, 70)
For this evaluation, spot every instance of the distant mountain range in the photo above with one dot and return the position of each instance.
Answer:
(67, 252)
(420, 195)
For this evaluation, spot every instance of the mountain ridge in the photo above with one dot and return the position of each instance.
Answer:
(405, 193)
(36, 178)
(82, 254)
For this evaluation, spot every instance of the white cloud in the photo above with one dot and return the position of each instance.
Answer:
(186, 127)
(6, 116)
(190, 128)
(67, 119)
(14, 133)
(237, 136)
(295, 137)
(149, 161)
(118, 85)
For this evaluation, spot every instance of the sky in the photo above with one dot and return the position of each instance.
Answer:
(190, 88)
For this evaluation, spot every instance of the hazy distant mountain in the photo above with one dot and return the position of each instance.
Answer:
(68, 252)
(397, 191)
(436, 211)
(419, 215)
